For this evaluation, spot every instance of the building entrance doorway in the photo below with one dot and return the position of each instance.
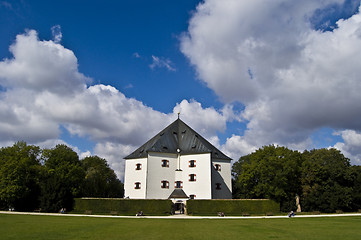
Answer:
(179, 207)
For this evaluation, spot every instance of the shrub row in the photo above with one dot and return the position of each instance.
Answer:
(119, 206)
(232, 207)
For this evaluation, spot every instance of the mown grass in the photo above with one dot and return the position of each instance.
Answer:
(64, 227)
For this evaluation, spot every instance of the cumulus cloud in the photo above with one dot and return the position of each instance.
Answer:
(20, 120)
(207, 121)
(114, 153)
(292, 76)
(237, 146)
(351, 147)
(44, 92)
(41, 66)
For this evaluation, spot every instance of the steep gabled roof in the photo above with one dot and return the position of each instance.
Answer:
(178, 193)
(177, 135)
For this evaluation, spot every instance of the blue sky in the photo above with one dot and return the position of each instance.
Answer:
(105, 76)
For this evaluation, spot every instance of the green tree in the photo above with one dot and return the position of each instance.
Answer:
(356, 187)
(19, 176)
(63, 177)
(270, 172)
(326, 181)
(100, 179)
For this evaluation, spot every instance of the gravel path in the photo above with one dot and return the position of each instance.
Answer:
(182, 216)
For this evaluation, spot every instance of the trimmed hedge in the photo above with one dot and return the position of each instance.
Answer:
(232, 207)
(119, 206)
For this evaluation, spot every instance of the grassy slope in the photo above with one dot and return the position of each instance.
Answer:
(53, 227)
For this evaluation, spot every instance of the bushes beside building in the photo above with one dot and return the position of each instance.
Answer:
(232, 207)
(119, 206)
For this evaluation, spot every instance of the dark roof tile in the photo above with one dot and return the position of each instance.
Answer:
(178, 193)
(177, 135)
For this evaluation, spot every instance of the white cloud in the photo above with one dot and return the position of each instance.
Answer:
(44, 91)
(57, 34)
(102, 113)
(41, 66)
(207, 121)
(159, 62)
(291, 78)
(351, 147)
(114, 153)
(20, 120)
(237, 146)
(51, 143)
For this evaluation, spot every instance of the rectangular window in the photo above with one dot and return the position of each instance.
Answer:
(192, 177)
(192, 196)
(178, 184)
(192, 163)
(218, 186)
(217, 167)
(165, 163)
(138, 166)
(137, 185)
(165, 184)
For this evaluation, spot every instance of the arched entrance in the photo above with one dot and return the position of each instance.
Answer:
(179, 199)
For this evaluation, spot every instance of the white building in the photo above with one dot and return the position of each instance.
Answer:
(178, 163)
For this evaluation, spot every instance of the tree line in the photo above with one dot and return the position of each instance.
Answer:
(48, 179)
(323, 179)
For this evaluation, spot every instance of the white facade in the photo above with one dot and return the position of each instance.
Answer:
(206, 182)
(165, 163)
(132, 176)
(221, 175)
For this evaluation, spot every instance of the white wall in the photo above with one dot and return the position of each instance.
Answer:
(201, 187)
(152, 174)
(132, 176)
(157, 173)
(224, 177)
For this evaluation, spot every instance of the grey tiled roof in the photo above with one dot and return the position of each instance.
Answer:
(177, 135)
(178, 193)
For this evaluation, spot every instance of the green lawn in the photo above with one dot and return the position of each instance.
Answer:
(55, 227)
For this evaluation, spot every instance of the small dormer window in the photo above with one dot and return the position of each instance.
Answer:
(165, 163)
(138, 166)
(218, 186)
